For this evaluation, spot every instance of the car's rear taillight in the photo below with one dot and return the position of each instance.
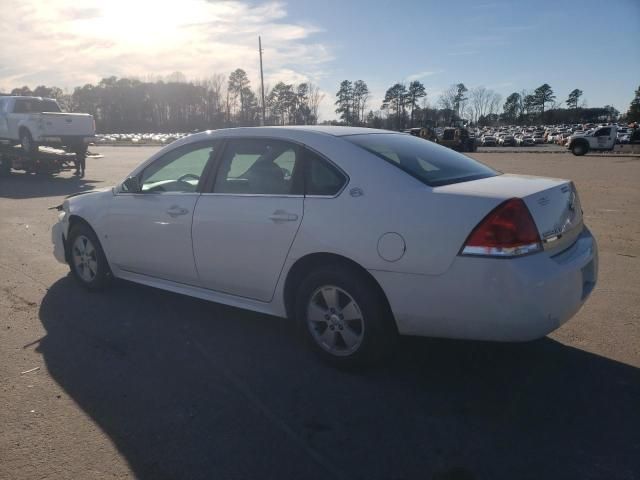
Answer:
(508, 231)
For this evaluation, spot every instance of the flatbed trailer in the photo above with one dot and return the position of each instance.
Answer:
(45, 160)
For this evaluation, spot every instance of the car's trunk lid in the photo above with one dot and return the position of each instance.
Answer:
(553, 203)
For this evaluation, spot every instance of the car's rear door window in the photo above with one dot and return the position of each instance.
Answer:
(22, 105)
(322, 178)
(259, 167)
(430, 163)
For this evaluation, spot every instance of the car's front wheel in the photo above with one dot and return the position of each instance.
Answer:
(579, 148)
(344, 316)
(86, 258)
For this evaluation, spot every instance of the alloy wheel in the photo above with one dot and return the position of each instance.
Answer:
(335, 320)
(85, 258)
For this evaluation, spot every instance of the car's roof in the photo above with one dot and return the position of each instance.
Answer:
(336, 131)
(28, 97)
(298, 131)
(301, 133)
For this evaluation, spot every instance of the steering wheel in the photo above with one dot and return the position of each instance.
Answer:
(184, 177)
(286, 172)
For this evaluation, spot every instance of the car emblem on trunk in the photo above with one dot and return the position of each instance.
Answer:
(543, 201)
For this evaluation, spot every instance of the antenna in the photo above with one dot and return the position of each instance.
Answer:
(261, 79)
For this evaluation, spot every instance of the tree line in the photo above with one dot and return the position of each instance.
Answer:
(174, 104)
(406, 106)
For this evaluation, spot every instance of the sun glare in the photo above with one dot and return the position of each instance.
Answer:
(146, 24)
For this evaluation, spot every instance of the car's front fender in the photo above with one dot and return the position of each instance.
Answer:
(91, 207)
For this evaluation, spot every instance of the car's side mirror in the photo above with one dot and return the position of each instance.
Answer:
(132, 185)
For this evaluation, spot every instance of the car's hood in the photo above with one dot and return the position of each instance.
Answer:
(87, 192)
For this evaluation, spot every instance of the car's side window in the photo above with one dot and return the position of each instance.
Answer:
(322, 178)
(21, 106)
(603, 132)
(258, 167)
(177, 171)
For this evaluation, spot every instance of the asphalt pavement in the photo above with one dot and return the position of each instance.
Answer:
(140, 383)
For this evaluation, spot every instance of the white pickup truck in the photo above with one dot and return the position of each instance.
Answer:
(34, 121)
(602, 138)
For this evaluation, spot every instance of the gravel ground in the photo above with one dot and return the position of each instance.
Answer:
(139, 383)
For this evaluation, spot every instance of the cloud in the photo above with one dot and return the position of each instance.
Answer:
(59, 43)
(419, 75)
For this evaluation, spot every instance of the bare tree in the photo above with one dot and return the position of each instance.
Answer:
(495, 99)
(315, 99)
(447, 98)
(360, 98)
(216, 85)
(479, 102)
(483, 102)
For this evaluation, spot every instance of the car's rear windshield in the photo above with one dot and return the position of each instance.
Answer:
(430, 163)
(46, 106)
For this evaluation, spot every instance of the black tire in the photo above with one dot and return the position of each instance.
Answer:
(378, 334)
(26, 142)
(579, 148)
(102, 275)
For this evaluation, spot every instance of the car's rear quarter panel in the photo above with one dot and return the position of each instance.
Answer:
(433, 225)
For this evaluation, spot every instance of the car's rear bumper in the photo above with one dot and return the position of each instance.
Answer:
(495, 299)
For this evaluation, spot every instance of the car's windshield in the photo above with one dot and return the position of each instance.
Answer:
(422, 159)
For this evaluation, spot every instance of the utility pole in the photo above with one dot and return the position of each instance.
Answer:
(261, 79)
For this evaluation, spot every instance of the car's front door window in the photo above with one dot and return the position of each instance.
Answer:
(179, 171)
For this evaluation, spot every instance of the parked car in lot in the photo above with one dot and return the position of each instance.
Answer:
(356, 234)
(525, 141)
(488, 141)
(34, 121)
(507, 140)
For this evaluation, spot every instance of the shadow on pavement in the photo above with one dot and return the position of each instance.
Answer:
(28, 185)
(195, 390)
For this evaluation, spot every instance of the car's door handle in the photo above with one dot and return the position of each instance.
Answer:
(176, 211)
(282, 216)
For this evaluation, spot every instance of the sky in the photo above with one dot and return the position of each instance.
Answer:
(506, 46)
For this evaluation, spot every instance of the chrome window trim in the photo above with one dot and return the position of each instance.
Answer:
(346, 176)
(219, 194)
(142, 194)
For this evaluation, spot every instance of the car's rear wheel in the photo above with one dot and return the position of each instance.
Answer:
(344, 316)
(87, 259)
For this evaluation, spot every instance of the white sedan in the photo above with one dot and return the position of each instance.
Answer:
(357, 234)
